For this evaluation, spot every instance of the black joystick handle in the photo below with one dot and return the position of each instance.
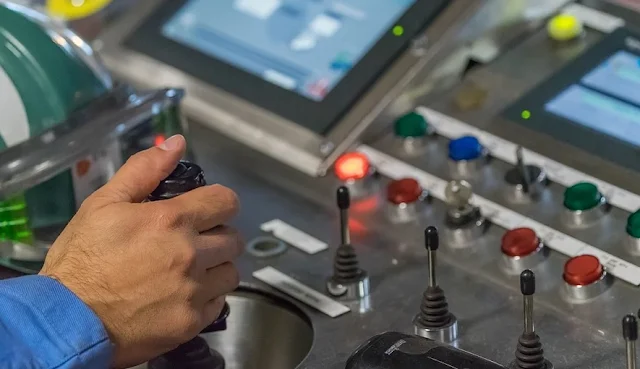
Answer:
(196, 352)
(431, 243)
(527, 283)
(630, 328)
(630, 334)
(343, 198)
(431, 238)
(529, 352)
(434, 308)
(528, 288)
(220, 324)
(344, 202)
(186, 177)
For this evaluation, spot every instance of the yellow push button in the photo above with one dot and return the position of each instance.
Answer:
(75, 9)
(564, 27)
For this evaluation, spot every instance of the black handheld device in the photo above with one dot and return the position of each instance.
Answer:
(393, 350)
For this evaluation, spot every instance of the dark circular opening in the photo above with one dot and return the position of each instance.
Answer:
(266, 247)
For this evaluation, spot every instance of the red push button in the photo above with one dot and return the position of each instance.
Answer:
(582, 270)
(404, 191)
(520, 242)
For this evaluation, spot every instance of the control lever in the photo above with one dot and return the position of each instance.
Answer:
(343, 200)
(434, 320)
(524, 171)
(348, 280)
(526, 181)
(529, 353)
(630, 334)
(393, 350)
(194, 354)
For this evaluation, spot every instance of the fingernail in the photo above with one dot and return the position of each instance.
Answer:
(171, 143)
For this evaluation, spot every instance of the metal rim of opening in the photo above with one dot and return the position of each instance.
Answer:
(264, 247)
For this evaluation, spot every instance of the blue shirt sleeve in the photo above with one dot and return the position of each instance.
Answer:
(43, 325)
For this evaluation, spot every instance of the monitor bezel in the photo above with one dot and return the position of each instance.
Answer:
(318, 116)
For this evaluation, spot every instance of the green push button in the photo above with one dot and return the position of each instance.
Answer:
(582, 196)
(411, 125)
(633, 225)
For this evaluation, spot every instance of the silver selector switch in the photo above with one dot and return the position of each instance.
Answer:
(464, 222)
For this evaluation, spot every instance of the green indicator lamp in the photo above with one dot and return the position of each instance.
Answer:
(398, 31)
(526, 114)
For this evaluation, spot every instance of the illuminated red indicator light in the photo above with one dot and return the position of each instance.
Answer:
(352, 166)
(520, 242)
(582, 270)
(159, 139)
(404, 191)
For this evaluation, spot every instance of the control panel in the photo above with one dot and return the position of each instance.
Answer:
(516, 188)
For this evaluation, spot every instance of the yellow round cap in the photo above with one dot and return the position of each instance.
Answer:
(564, 27)
(75, 9)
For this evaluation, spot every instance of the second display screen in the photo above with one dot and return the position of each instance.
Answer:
(606, 100)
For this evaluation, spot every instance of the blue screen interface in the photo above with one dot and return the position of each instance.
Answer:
(606, 100)
(306, 46)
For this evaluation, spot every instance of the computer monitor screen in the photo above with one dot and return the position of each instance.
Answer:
(305, 46)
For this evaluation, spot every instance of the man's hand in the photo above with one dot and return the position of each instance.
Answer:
(155, 273)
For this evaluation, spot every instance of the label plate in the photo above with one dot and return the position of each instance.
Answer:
(299, 291)
(294, 236)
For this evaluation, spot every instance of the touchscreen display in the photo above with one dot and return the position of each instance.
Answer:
(607, 99)
(306, 46)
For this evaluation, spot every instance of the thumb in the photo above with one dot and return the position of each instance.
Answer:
(142, 173)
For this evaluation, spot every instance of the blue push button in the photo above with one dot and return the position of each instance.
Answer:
(465, 148)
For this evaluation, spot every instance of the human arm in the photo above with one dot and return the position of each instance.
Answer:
(43, 325)
(155, 274)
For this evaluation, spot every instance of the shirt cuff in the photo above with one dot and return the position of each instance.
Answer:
(57, 323)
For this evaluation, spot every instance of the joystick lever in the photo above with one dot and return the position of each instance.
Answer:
(523, 169)
(525, 180)
(344, 202)
(348, 280)
(194, 354)
(434, 320)
(630, 334)
(529, 353)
